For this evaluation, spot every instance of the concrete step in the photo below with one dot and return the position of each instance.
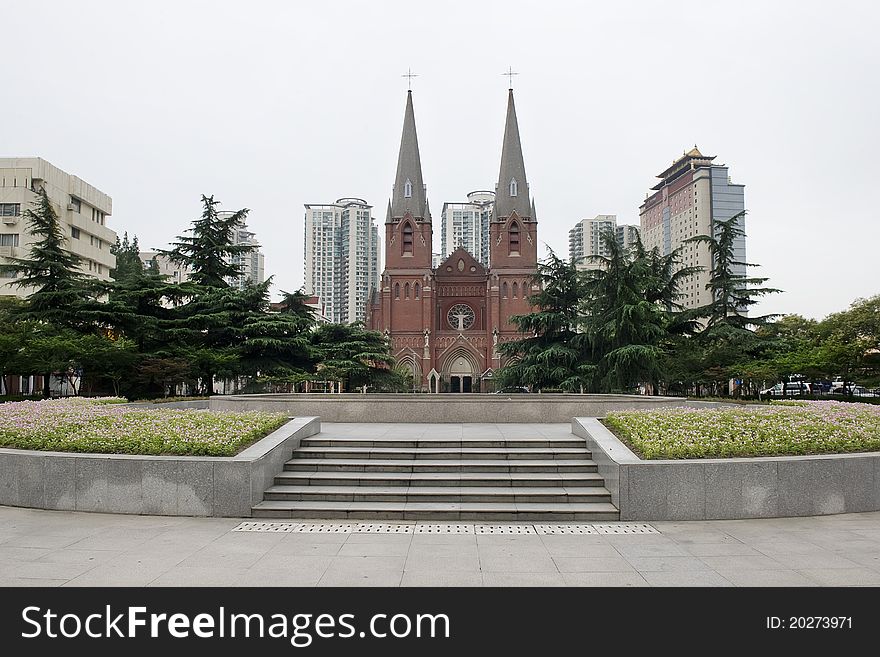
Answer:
(441, 465)
(434, 479)
(361, 493)
(440, 453)
(322, 440)
(516, 511)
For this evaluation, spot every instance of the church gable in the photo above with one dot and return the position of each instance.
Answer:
(460, 264)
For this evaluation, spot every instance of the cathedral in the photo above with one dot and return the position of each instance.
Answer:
(445, 324)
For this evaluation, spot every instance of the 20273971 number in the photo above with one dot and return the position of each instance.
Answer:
(809, 623)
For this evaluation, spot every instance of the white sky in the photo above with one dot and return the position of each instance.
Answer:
(270, 105)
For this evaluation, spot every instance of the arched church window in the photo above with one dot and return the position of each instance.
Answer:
(417, 292)
(397, 290)
(525, 289)
(513, 186)
(515, 290)
(407, 189)
(406, 291)
(514, 237)
(504, 290)
(408, 238)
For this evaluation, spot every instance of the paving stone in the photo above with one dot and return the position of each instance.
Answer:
(697, 578)
(443, 564)
(523, 579)
(765, 577)
(842, 576)
(678, 564)
(623, 579)
(441, 578)
(518, 564)
(592, 564)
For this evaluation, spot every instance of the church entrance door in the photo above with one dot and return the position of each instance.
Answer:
(461, 383)
(461, 375)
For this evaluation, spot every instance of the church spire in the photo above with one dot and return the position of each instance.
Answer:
(512, 191)
(409, 190)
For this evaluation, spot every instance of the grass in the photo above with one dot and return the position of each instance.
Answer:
(781, 429)
(103, 426)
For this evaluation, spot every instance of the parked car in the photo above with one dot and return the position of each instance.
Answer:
(511, 389)
(787, 389)
(854, 390)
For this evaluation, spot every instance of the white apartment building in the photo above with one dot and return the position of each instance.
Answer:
(585, 239)
(82, 210)
(692, 194)
(253, 263)
(174, 272)
(467, 225)
(341, 257)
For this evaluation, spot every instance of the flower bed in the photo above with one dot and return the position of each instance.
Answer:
(102, 426)
(783, 429)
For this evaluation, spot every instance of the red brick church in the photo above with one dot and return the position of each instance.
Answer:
(445, 323)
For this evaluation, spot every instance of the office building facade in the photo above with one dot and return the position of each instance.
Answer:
(693, 193)
(82, 210)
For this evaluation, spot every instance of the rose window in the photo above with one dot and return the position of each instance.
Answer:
(460, 317)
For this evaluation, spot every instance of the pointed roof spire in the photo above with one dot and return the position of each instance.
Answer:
(534, 214)
(512, 191)
(409, 190)
(388, 212)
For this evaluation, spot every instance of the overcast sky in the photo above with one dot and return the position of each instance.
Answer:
(270, 105)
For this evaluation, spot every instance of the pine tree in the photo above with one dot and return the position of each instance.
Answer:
(52, 272)
(732, 294)
(208, 251)
(354, 357)
(629, 313)
(554, 354)
(727, 337)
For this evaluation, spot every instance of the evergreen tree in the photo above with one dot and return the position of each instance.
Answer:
(629, 311)
(732, 294)
(53, 273)
(208, 251)
(553, 354)
(727, 337)
(354, 357)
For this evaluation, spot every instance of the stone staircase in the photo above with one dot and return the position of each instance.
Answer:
(400, 477)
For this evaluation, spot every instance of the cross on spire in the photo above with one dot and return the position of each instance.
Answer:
(409, 75)
(510, 73)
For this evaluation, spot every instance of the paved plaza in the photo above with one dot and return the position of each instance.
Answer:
(60, 548)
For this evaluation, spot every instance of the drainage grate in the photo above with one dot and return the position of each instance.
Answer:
(503, 529)
(382, 528)
(324, 528)
(444, 529)
(549, 530)
(626, 528)
(283, 527)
